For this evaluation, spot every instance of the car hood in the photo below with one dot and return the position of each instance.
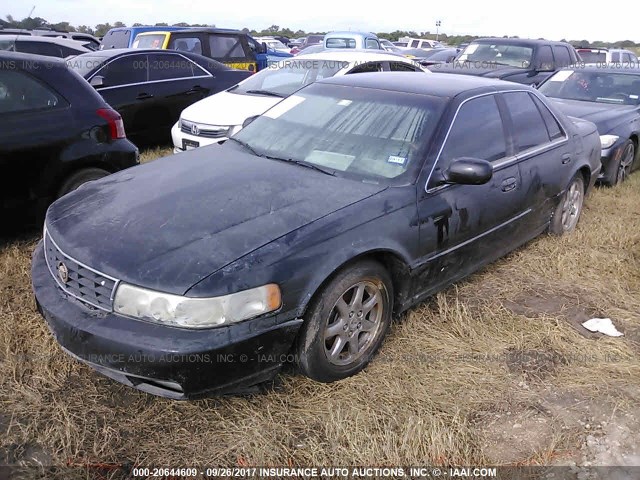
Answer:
(168, 224)
(604, 115)
(226, 108)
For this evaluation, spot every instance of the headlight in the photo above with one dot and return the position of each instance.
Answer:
(607, 141)
(179, 123)
(179, 311)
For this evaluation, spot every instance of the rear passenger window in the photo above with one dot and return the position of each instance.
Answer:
(225, 47)
(125, 70)
(402, 67)
(477, 132)
(528, 126)
(615, 57)
(553, 127)
(40, 48)
(186, 44)
(367, 67)
(544, 60)
(20, 92)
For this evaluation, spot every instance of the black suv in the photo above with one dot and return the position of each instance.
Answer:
(57, 132)
(514, 59)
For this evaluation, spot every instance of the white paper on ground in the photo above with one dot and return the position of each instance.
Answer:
(602, 325)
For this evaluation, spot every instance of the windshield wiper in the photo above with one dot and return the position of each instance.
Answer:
(302, 163)
(247, 146)
(266, 92)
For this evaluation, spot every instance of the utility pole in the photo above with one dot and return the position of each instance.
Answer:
(438, 24)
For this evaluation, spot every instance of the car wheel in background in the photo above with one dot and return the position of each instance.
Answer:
(346, 322)
(618, 171)
(78, 178)
(567, 213)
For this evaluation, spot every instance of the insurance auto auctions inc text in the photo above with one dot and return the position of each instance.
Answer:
(375, 472)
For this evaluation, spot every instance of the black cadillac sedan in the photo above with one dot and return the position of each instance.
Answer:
(150, 88)
(609, 96)
(296, 240)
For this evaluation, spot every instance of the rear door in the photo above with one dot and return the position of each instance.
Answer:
(543, 150)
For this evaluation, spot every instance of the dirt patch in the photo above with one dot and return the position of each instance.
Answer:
(533, 364)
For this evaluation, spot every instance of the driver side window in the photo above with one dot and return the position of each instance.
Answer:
(477, 132)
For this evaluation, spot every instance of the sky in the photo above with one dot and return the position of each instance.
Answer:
(552, 19)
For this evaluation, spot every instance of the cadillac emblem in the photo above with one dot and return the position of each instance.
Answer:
(63, 272)
(195, 130)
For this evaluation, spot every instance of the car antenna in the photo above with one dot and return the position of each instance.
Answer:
(18, 33)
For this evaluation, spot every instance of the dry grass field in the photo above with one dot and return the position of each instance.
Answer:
(494, 371)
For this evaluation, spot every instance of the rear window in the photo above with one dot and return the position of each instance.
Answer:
(340, 43)
(588, 56)
(149, 41)
(116, 39)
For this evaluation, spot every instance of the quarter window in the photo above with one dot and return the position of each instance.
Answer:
(372, 43)
(528, 127)
(477, 132)
(21, 93)
(402, 67)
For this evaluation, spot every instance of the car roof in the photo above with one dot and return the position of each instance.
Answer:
(350, 34)
(213, 30)
(439, 85)
(351, 55)
(518, 41)
(32, 59)
(68, 42)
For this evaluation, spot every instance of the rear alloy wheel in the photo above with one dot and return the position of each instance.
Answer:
(346, 323)
(78, 178)
(567, 213)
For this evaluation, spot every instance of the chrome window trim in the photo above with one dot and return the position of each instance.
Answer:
(46, 236)
(506, 160)
(206, 75)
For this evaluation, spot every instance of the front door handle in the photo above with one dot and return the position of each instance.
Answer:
(566, 158)
(509, 184)
(144, 96)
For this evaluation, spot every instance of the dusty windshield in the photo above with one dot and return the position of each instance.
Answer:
(498, 54)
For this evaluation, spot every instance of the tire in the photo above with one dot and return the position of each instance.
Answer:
(567, 213)
(620, 170)
(334, 342)
(78, 178)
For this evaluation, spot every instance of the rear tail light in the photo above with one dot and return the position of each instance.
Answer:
(116, 125)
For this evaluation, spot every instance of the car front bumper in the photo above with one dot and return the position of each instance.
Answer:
(183, 141)
(171, 362)
(609, 157)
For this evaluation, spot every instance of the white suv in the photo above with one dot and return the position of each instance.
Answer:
(606, 55)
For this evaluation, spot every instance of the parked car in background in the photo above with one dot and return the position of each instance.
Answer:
(150, 88)
(234, 48)
(216, 118)
(608, 96)
(123, 37)
(435, 56)
(308, 41)
(283, 40)
(49, 47)
(295, 42)
(57, 133)
(273, 44)
(513, 59)
(359, 40)
(87, 40)
(348, 202)
(423, 43)
(401, 44)
(606, 55)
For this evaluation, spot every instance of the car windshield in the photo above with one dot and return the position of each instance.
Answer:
(287, 76)
(500, 54)
(359, 133)
(149, 41)
(588, 56)
(600, 87)
(83, 64)
(275, 44)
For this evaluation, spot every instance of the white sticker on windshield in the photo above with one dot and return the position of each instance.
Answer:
(561, 76)
(345, 103)
(284, 106)
(634, 97)
(472, 47)
(397, 160)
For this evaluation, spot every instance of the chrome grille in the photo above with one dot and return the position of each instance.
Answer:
(82, 282)
(200, 130)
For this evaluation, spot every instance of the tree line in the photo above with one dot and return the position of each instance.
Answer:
(33, 23)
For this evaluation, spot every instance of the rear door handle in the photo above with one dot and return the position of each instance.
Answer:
(509, 184)
(566, 158)
(144, 96)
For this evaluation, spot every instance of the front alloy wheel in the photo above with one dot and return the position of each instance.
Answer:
(346, 322)
(626, 162)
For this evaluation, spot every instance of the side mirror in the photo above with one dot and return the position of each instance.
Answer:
(97, 81)
(248, 120)
(263, 48)
(468, 171)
